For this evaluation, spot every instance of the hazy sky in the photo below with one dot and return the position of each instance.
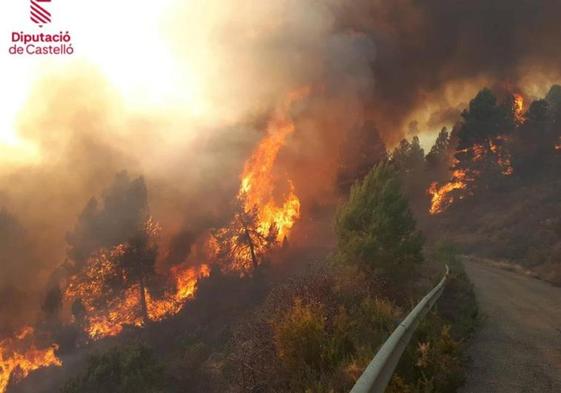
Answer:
(128, 42)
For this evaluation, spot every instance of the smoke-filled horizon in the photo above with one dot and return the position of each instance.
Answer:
(192, 117)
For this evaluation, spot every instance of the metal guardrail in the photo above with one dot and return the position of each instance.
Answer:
(377, 375)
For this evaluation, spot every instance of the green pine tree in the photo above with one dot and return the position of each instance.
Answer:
(376, 229)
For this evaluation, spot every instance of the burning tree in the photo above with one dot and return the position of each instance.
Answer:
(537, 140)
(115, 218)
(481, 139)
(115, 285)
(243, 242)
(113, 275)
(482, 157)
(113, 250)
(259, 186)
(263, 216)
(532, 144)
(137, 262)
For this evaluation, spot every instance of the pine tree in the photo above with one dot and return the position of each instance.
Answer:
(408, 157)
(114, 243)
(138, 265)
(532, 144)
(484, 120)
(110, 220)
(478, 142)
(376, 229)
(438, 155)
(553, 99)
(243, 243)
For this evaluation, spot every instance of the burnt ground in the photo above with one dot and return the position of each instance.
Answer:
(518, 348)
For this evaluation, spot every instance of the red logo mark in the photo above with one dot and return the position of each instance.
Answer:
(39, 14)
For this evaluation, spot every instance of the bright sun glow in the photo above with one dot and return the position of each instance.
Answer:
(125, 39)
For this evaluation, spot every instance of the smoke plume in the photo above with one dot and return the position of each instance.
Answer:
(370, 65)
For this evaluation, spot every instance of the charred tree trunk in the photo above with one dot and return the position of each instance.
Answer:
(250, 245)
(142, 286)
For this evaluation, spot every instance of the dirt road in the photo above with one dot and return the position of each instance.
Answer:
(518, 348)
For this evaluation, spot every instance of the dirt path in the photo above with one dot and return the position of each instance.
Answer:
(518, 348)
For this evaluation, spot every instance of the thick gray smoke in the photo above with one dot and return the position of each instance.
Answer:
(370, 66)
(425, 46)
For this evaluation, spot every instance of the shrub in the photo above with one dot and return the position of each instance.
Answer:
(131, 369)
(376, 229)
(300, 338)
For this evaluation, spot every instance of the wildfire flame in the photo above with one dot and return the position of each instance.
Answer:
(503, 156)
(105, 315)
(185, 279)
(258, 185)
(16, 363)
(442, 197)
(518, 104)
(109, 319)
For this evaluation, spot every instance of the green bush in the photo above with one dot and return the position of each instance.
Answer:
(372, 322)
(322, 346)
(301, 337)
(376, 229)
(435, 359)
(131, 369)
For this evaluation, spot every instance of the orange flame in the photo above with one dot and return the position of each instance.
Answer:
(186, 279)
(258, 189)
(444, 196)
(441, 197)
(503, 156)
(109, 319)
(257, 184)
(518, 108)
(16, 363)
